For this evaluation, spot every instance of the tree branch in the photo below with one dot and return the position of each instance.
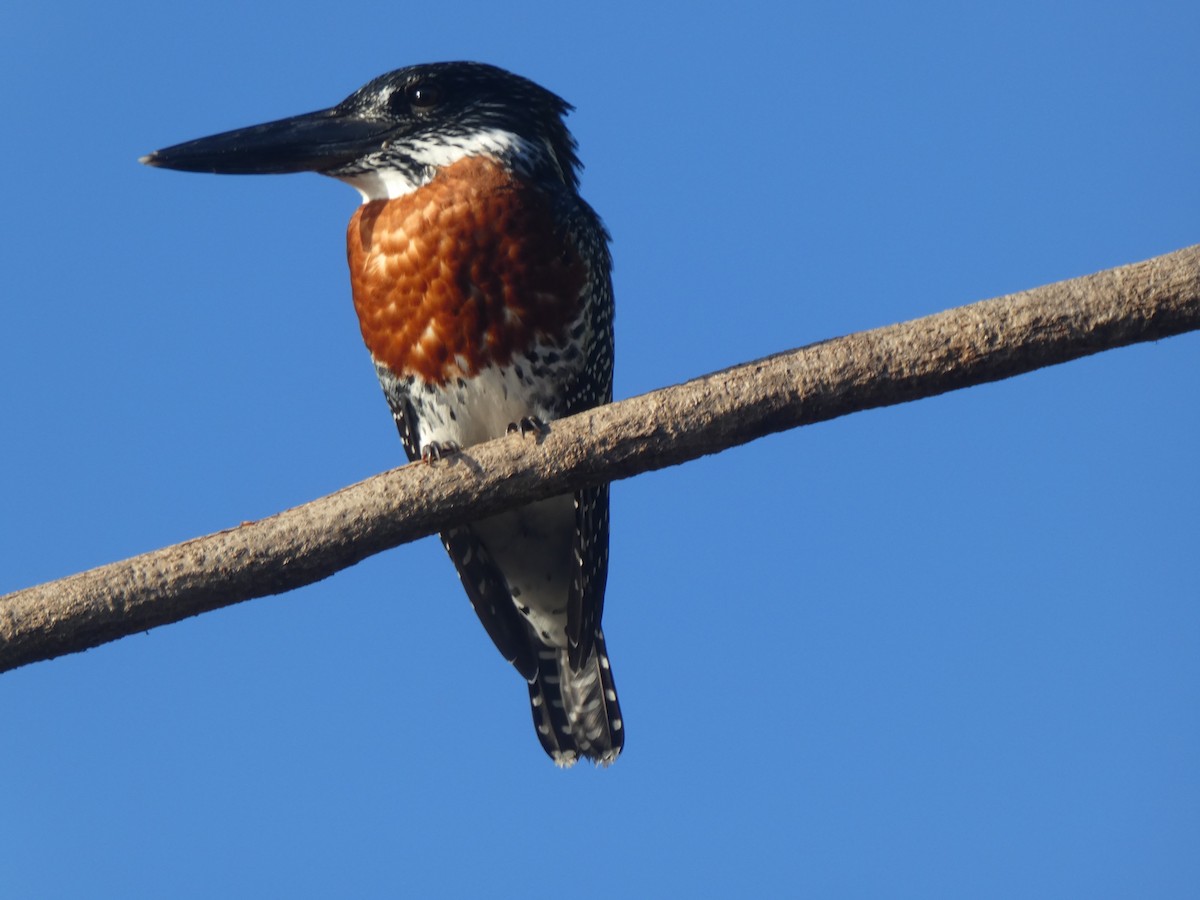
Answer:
(961, 347)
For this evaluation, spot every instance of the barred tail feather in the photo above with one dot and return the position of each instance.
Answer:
(549, 710)
(576, 712)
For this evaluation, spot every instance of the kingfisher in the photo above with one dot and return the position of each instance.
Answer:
(482, 283)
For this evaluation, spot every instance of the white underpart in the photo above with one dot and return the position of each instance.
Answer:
(386, 183)
(484, 407)
(531, 546)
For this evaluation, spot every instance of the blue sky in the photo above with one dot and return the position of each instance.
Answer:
(941, 650)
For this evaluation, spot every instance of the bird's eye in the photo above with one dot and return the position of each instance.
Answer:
(423, 96)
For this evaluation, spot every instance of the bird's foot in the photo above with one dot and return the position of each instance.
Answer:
(527, 425)
(435, 450)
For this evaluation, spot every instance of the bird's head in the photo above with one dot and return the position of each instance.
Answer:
(394, 134)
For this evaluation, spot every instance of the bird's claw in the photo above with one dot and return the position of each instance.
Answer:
(435, 450)
(527, 425)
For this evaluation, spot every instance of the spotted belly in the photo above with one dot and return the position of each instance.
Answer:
(468, 410)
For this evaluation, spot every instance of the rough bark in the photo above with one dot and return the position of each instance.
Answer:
(965, 346)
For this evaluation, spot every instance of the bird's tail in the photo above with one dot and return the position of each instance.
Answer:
(575, 711)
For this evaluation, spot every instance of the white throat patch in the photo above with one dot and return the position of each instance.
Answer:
(387, 182)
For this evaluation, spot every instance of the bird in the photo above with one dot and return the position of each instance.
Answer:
(482, 282)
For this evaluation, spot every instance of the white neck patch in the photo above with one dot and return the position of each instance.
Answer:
(387, 182)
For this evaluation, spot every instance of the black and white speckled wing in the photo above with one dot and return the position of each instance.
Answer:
(590, 386)
(586, 603)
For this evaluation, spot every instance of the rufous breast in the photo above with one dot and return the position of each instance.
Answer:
(465, 272)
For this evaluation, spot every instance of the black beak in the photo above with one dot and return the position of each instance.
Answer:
(315, 142)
